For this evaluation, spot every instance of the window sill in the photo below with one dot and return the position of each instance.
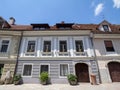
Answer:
(63, 53)
(47, 53)
(80, 53)
(111, 53)
(62, 76)
(30, 54)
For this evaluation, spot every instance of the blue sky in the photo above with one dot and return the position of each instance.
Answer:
(55, 11)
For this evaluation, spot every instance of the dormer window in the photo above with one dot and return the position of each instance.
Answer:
(105, 27)
(63, 25)
(40, 26)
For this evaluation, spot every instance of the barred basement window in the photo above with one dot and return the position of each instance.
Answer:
(27, 70)
(109, 46)
(63, 46)
(79, 46)
(31, 46)
(47, 46)
(4, 46)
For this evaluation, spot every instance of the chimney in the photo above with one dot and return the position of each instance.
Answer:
(12, 21)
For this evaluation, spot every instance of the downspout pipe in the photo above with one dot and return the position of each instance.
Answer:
(18, 52)
(95, 56)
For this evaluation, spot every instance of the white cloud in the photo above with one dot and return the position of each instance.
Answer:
(116, 3)
(99, 9)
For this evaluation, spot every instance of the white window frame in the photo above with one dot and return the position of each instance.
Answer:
(47, 54)
(74, 47)
(35, 52)
(8, 44)
(23, 69)
(112, 53)
(68, 70)
(63, 39)
(63, 54)
(44, 64)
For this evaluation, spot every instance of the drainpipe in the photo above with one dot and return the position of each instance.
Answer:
(95, 56)
(18, 52)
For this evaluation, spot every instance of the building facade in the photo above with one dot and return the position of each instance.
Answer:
(106, 45)
(9, 44)
(59, 52)
(62, 49)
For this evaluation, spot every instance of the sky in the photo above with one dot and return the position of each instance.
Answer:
(55, 11)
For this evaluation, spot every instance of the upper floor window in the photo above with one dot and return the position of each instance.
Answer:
(47, 46)
(109, 46)
(31, 46)
(63, 46)
(4, 46)
(105, 27)
(79, 46)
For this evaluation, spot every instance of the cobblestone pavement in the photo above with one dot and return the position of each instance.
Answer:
(111, 86)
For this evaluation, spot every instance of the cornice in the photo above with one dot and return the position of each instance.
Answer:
(56, 32)
(8, 33)
(107, 36)
(56, 58)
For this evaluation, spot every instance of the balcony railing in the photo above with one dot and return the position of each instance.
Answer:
(30, 53)
(80, 53)
(63, 53)
(47, 53)
(4, 54)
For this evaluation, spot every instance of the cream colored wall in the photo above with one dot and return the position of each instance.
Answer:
(100, 47)
(14, 46)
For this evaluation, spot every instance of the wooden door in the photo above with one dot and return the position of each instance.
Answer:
(82, 72)
(114, 69)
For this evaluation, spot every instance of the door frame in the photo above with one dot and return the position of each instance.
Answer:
(108, 68)
(89, 69)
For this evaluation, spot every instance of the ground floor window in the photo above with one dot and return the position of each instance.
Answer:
(27, 70)
(63, 69)
(44, 68)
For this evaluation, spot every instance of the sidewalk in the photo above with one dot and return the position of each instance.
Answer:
(111, 86)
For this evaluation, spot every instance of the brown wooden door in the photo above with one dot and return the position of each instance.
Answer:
(114, 69)
(82, 72)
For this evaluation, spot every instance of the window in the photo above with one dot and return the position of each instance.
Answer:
(105, 27)
(109, 46)
(63, 46)
(47, 46)
(63, 69)
(27, 70)
(4, 46)
(44, 68)
(79, 46)
(31, 46)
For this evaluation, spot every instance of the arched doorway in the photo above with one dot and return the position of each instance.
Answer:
(82, 72)
(114, 69)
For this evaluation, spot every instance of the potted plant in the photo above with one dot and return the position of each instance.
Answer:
(17, 78)
(44, 77)
(72, 79)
